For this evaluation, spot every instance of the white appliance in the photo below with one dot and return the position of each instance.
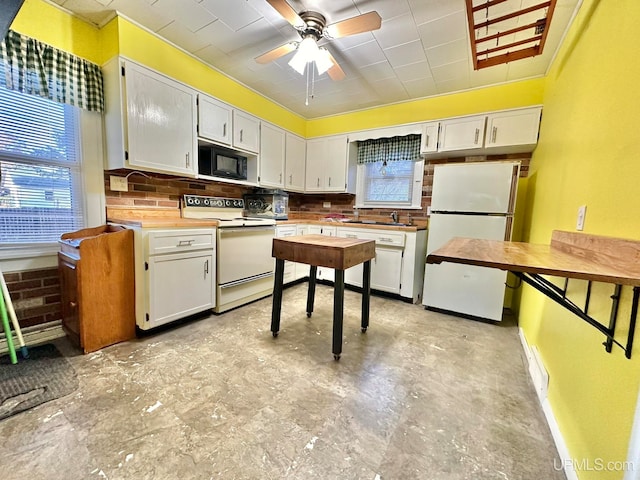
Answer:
(474, 200)
(244, 262)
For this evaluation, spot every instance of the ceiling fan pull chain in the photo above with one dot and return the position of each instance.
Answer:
(306, 100)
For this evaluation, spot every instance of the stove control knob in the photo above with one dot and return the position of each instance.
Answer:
(237, 203)
(219, 203)
(227, 203)
(206, 202)
(196, 201)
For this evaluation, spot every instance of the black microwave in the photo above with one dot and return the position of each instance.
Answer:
(217, 161)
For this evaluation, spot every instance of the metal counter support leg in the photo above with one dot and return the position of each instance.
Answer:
(311, 292)
(366, 295)
(277, 297)
(338, 312)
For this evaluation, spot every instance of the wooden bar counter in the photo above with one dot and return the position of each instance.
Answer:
(322, 251)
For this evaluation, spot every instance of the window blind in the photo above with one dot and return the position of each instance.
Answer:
(39, 168)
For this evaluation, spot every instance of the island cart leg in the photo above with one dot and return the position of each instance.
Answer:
(277, 297)
(338, 312)
(311, 293)
(366, 295)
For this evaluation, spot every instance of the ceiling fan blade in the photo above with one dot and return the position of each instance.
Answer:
(288, 13)
(359, 24)
(276, 53)
(335, 72)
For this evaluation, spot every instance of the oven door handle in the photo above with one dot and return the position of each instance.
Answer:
(224, 231)
(246, 280)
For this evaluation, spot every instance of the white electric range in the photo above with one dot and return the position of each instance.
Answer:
(244, 262)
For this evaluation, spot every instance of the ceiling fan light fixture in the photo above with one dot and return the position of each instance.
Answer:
(307, 52)
(323, 61)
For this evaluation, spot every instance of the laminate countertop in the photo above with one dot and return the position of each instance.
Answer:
(418, 225)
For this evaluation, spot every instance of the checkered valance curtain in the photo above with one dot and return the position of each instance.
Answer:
(36, 68)
(389, 149)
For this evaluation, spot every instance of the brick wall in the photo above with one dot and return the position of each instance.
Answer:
(35, 295)
(157, 190)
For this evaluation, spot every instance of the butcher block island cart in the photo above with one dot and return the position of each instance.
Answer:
(97, 286)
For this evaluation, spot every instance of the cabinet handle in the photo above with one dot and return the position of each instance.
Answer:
(329, 181)
(224, 129)
(494, 132)
(318, 183)
(477, 135)
(290, 179)
(185, 243)
(187, 157)
(241, 130)
(350, 235)
(385, 239)
(427, 142)
(73, 304)
(206, 268)
(280, 181)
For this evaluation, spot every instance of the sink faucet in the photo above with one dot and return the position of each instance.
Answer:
(394, 216)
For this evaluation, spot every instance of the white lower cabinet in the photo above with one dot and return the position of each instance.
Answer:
(302, 269)
(289, 267)
(323, 273)
(386, 267)
(175, 274)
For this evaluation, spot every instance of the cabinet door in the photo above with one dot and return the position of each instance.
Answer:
(272, 146)
(336, 164)
(69, 298)
(214, 120)
(246, 131)
(386, 270)
(295, 156)
(519, 127)
(170, 296)
(429, 137)
(161, 119)
(315, 165)
(461, 134)
(289, 267)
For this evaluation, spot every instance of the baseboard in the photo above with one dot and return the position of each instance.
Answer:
(35, 335)
(540, 379)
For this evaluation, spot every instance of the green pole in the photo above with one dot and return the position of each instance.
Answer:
(7, 330)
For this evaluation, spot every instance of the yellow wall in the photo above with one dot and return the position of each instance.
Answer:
(588, 155)
(510, 95)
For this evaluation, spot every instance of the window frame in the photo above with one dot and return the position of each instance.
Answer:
(416, 192)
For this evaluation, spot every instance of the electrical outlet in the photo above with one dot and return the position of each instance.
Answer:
(326, 204)
(582, 212)
(118, 184)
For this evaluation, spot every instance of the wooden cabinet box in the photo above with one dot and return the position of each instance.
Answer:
(97, 286)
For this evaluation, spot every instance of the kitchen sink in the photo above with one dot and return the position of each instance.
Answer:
(372, 222)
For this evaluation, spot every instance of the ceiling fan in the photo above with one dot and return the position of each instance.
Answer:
(312, 26)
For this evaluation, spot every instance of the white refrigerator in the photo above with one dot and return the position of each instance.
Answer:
(473, 200)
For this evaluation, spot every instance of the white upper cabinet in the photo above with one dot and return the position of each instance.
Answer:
(326, 166)
(272, 156)
(429, 137)
(513, 131)
(246, 131)
(295, 156)
(150, 120)
(466, 133)
(214, 120)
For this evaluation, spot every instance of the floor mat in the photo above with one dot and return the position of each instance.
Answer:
(42, 377)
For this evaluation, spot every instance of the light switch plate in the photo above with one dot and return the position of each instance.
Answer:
(118, 184)
(582, 212)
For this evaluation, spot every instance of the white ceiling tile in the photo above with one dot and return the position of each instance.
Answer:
(180, 35)
(378, 71)
(141, 13)
(235, 14)
(444, 30)
(92, 11)
(413, 71)
(350, 41)
(449, 52)
(453, 85)
(405, 54)
(530, 67)
(451, 70)
(189, 13)
(489, 76)
(396, 31)
(430, 10)
(385, 8)
(365, 54)
(423, 87)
